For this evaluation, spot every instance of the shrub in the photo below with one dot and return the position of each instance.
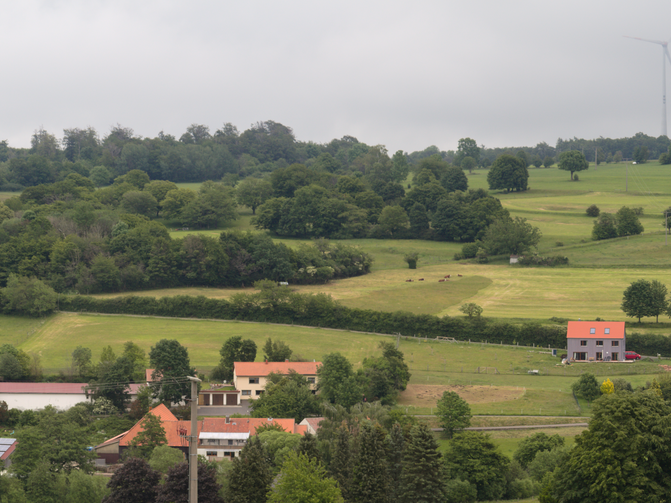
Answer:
(411, 259)
(593, 211)
(469, 250)
(537, 260)
(575, 178)
(559, 243)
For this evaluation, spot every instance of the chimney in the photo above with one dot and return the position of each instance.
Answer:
(266, 361)
(228, 420)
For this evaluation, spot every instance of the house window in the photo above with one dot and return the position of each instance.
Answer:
(311, 380)
(615, 343)
(259, 392)
(230, 442)
(253, 380)
(580, 356)
(212, 453)
(599, 343)
(606, 330)
(246, 392)
(599, 356)
(583, 343)
(592, 330)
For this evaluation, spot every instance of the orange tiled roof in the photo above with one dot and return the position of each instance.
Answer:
(163, 414)
(581, 330)
(253, 369)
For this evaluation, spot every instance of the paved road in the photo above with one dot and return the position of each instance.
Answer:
(523, 427)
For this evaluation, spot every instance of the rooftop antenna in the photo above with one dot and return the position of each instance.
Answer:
(665, 56)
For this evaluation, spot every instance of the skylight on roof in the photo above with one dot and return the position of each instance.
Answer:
(606, 330)
(592, 330)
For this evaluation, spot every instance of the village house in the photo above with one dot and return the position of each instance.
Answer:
(312, 424)
(250, 377)
(218, 437)
(596, 341)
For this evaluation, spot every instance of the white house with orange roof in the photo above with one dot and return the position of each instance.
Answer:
(250, 378)
(596, 341)
(218, 437)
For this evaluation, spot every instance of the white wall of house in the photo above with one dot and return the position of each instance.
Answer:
(37, 401)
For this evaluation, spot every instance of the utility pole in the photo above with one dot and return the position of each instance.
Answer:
(626, 177)
(193, 442)
(596, 157)
(666, 224)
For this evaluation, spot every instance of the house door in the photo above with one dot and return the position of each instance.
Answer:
(231, 399)
(616, 357)
(218, 399)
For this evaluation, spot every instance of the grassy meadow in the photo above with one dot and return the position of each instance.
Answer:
(590, 287)
(493, 379)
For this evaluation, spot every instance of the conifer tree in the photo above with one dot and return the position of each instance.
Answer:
(395, 447)
(250, 478)
(308, 446)
(340, 468)
(369, 479)
(422, 477)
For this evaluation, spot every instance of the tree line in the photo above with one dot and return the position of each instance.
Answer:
(62, 234)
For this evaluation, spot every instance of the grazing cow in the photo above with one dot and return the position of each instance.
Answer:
(420, 279)
(408, 281)
(441, 281)
(459, 275)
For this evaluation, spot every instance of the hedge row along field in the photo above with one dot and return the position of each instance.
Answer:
(322, 311)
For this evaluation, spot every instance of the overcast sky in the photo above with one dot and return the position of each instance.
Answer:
(403, 74)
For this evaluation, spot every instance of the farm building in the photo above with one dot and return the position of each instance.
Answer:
(596, 341)
(7, 446)
(37, 395)
(250, 377)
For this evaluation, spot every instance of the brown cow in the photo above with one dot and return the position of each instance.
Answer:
(420, 279)
(459, 275)
(408, 281)
(441, 281)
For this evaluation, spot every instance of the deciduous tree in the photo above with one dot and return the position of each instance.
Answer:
(171, 364)
(235, 349)
(508, 173)
(253, 192)
(453, 413)
(623, 456)
(533, 444)
(638, 301)
(134, 481)
(304, 479)
(572, 161)
(512, 237)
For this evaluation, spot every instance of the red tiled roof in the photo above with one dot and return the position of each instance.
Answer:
(253, 369)
(581, 330)
(313, 422)
(161, 411)
(43, 387)
(301, 429)
(112, 440)
(243, 424)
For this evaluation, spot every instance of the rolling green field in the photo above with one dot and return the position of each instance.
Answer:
(504, 387)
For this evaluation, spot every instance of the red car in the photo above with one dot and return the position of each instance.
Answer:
(631, 355)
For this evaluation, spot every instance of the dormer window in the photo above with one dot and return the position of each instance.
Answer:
(606, 330)
(592, 330)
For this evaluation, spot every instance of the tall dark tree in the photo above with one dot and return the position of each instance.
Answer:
(369, 473)
(249, 479)
(134, 481)
(308, 446)
(113, 383)
(337, 383)
(395, 449)
(637, 301)
(171, 364)
(176, 486)
(419, 218)
(340, 467)
(422, 477)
